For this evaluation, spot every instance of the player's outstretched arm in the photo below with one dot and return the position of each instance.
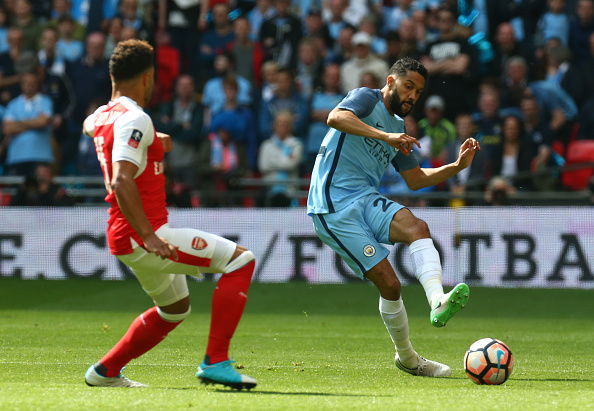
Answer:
(347, 122)
(418, 177)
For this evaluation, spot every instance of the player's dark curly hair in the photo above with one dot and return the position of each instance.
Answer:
(402, 66)
(131, 58)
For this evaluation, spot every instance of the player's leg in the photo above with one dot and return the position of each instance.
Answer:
(172, 306)
(202, 252)
(408, 229)
(393, 313)
(228, 302)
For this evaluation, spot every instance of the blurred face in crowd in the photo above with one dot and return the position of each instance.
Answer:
(516, 72)
(404, 92)
(511, 129)
(128, 33)
(362, 51)
(230, 93)
(585, 11)
(15, 38)
(591, 44)
(22, 8)
(505, 36)
(222, 64)
(464, 126)
(412, 126)
(61, 7)
(529, 108)
(282, 125)
(220, 15)
(129, 9)
(407, 31)
(332, 78)
(269, 72)
(433, 115)
(488, 105)
(263, 5)
(369, 80)
(337, 7)
(284, 83)
(345, 38)
(242, 29)
(29, 84)
(404, 4)
(115, 29)
(95, 46)
(49, 39)
(282, 7)
(184, 88)
(446, 21)
(314, 23)
(308, 53)
(367, 26)
(556, 6)
(66, 29)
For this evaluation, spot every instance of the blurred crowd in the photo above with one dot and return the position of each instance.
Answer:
(244, 87)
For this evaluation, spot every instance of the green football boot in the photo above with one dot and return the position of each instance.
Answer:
(449, 304)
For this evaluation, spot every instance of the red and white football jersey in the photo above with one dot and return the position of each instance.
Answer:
(124, 132)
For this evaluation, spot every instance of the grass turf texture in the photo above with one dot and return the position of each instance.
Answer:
(309, 346)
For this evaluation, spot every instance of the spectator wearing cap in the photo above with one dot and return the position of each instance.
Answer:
(221, 162)
(362, 61)
(27, 130)
(439, 130)
(379, 45)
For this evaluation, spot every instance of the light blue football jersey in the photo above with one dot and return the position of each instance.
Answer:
(349, 166)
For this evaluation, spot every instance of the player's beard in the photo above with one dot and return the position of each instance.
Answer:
(396, 106)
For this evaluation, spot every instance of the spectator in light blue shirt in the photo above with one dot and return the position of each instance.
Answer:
(554, 23)
(68, 47)
(27, 129)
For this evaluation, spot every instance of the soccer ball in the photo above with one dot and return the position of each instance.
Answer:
(488, 361)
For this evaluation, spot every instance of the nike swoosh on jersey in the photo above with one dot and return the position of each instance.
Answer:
(378, 125)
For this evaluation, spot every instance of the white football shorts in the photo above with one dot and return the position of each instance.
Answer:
(165, 280)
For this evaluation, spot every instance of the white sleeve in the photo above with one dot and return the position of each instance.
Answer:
(133, 133)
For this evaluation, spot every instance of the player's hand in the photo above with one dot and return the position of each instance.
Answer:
(402, 142)
(161, 247)
(467, 151)
(165, 141)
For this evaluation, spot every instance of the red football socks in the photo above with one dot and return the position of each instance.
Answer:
(147, 330)
(228, 302)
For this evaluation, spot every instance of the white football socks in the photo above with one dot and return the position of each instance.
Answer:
(427, 267)
(394, 315)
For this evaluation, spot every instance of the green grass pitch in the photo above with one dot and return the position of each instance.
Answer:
(311, 347)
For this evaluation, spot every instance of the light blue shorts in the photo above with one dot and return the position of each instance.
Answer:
(358, 231)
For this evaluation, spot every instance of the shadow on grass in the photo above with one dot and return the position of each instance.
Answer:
(322, 394)
(555, 379)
